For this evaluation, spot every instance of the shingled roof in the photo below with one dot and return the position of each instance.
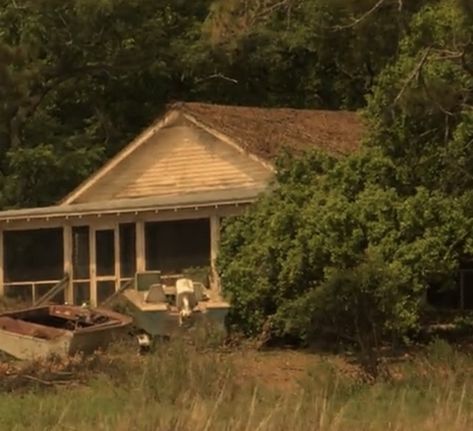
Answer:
(265, 131)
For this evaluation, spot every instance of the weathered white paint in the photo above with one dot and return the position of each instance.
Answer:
(140, 246)
(177, 160)
(214, 246)
(92, 268)
(67, 248)
(127, 217)
(116, 237)
(2, 289)
(129, 149)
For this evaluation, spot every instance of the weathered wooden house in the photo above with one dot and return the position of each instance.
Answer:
(157, 205)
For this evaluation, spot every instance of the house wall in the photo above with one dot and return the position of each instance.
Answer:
(179, 159)
(96, 248)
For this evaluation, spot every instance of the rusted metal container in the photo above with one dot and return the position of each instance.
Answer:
(61, 330)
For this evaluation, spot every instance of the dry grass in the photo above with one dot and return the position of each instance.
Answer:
(188, 386)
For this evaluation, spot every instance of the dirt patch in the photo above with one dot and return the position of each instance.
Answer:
(286, 369)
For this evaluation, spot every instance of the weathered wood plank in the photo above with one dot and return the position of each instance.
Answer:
(214, 246)
(177, 160)
(92, 267)
(116, 239)
(67, 247)
(2, 277)
(140, 246)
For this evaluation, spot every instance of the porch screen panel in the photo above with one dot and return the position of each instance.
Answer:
(21, 293)
(105, 252)
(104, 290)
(42, 289)
(467, 286)
(33, 255)
(127, 250)
(81, 292)
(173, 246)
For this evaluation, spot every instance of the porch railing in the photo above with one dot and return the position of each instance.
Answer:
(122, 288)
(51, 293)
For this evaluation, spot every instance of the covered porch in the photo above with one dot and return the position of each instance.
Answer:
(95, 249)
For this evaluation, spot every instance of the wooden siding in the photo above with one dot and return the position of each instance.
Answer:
(178, 159)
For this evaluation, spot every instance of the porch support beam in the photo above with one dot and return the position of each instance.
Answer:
(116, 239)
(140, 246)
(214, 246)
(2, 263)
(92, 267)
(67, 249)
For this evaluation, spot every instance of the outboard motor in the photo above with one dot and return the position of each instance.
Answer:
(144, 342)
(185, 298)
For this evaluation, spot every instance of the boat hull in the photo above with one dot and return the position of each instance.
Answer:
(40, 332)
(162, 321)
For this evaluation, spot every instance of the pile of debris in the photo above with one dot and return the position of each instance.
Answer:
(55, 371)
(156, 309)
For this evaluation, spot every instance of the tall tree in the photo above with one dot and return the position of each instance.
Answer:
(350, 246)
(307, 53)
(78, 78)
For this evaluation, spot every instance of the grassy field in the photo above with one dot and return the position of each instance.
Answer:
(189, 386)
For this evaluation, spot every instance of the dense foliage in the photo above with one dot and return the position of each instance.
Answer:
(343, 246)
(349, 246)
(79, 78)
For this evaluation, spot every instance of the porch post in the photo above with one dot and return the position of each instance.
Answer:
(67, 249)
(140, 246)
(2, 290)
(214, 246)
(92, 267)
(116, 243)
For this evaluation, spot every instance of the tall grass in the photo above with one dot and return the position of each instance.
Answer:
(184, 387)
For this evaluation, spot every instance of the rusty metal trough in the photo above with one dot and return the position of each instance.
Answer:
(39, 332)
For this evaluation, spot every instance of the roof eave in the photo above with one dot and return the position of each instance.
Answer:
(66, 215)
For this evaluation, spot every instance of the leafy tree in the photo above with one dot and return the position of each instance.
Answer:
(306, 53)
(78, 79)
(348, 247)
(316, 227)
(420, 112)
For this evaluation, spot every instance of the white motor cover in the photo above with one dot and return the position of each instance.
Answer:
(185, 289)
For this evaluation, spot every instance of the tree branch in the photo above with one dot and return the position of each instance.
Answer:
(216, 76)
(359, 20)
(26, 108)
(413, 75)
(465, 65)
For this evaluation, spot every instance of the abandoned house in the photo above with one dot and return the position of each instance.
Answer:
(158, 204)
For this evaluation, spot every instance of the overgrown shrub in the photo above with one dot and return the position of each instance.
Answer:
(335, 248)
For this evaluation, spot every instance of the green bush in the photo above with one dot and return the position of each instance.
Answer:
(336, 249)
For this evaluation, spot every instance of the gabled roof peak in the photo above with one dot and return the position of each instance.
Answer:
(261, 133)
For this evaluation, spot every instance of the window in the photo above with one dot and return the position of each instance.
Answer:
(173, 246)
(33, 255)
(105, 252)
(127, 250)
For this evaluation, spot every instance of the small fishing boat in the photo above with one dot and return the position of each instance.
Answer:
(160, 310)
(59, 330)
